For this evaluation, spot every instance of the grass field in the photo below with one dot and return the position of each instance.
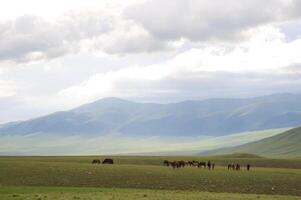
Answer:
(67, 193)
(141, 175)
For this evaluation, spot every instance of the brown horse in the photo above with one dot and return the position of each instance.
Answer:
(202, 164)
(166, 163)
(108, 161)
(175, 164)
(181, 163)
(229, 166)
(95, 161)
(209, 164)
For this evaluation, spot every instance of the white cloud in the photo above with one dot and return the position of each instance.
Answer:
(204, 20)
(8, 88)
(29, 38)
(133, 27)
(260, 65)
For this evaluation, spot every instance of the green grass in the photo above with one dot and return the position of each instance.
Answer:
(148, 173)
(157, 160)
(285, 145)
(68, 193)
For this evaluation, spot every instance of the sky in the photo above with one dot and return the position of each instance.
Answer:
(59, 54)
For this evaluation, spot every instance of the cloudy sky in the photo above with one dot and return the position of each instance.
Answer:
(58, 54)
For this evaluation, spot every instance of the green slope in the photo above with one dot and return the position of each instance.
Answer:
(284, 145)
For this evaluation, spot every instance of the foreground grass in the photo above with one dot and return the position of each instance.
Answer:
(65, 193)
(148, 173)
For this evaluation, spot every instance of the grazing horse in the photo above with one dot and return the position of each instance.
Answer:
(229, 166)
(213, 165)
(209, 164)
(166, 163)
(108, 161)
(237, 167)
(181, 163)
(175, 164)
(202, 164)
(233, 166)
(95, 161)
(248, 167)
(195, 163)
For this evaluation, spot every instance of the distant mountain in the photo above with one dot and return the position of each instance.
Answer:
(286, 145)
(212, 117)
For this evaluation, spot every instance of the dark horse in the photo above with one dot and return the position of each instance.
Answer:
(175, 164)
(202, 164)
(166, 163)
(95, 161)
(181, 163)
(108, 161)
(209, 164)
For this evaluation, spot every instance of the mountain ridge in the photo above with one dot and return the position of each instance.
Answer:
(213, 117)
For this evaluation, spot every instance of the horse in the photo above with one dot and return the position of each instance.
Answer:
(194, 163)
(229, 166)
(233, 166)
(108, 161)
(166, 163)
(209, 164)
(202, 164)
(248, 167)
(95, 161)
(175, 164)
(237, 167)
(181, 163)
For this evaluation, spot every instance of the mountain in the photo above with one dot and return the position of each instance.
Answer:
(286, 145)
(212, 117)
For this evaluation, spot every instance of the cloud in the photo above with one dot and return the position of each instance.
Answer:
(143, 27)
(207, 20)
(8, 88)
(267, 64)
(29, 38)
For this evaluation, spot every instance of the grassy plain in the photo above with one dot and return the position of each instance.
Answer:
(139, 175)
(69, 193)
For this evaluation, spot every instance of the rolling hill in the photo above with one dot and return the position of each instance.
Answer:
(286, 145)
(212, 117)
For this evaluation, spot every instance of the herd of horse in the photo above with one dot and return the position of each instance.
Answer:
(200, 164)
(236, 166)
(181, 164)
(192, 163)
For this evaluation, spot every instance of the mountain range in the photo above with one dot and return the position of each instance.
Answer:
(211, 117)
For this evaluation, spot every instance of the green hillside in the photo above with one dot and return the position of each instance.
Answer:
(284, 145)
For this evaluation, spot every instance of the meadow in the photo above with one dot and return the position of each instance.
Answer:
(138, 177)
